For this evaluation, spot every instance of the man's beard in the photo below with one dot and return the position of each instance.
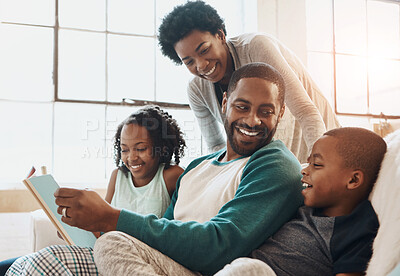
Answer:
(263, 140)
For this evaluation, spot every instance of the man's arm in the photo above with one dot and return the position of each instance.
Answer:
(268, 196)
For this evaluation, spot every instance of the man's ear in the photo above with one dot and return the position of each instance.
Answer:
(224, 102)
(356, 180)
(281, 112)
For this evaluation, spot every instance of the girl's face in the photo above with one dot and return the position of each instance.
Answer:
(137, 153)
(206, 56)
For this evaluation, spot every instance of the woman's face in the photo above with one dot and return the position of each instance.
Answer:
(206, 55)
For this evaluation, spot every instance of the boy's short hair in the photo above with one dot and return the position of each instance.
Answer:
(182, 20)
(360, 149)
(259, 70)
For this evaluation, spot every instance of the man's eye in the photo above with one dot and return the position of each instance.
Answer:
(268, 112)
(124, 150)
(141, 149)
(241, 107)
(188, 63)
(317, 165)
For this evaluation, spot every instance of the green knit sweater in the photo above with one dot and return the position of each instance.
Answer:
(268, 196)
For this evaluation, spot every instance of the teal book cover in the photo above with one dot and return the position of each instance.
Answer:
(43, 188)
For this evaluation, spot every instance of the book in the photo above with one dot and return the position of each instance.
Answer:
(43, 188)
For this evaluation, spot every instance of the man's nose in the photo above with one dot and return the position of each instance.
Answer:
(253, 119)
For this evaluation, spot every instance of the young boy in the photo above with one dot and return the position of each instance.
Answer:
(333, 233)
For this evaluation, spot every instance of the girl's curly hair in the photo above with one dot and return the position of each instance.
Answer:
(194, 15)
(164, 131)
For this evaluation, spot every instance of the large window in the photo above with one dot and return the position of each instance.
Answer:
(65, 68)
(354, 54)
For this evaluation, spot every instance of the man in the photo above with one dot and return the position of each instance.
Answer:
(226, 203)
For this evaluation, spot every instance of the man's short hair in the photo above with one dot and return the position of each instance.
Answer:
(182, 20)
(258, 70)
(360, 149)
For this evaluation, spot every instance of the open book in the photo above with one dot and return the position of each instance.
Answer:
(43, 188)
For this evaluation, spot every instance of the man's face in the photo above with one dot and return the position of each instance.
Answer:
(252, 113)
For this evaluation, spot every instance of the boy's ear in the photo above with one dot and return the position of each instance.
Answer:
(356, 180)
(224, 102)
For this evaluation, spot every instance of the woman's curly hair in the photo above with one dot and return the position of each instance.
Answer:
(164, 131)
(194, 15)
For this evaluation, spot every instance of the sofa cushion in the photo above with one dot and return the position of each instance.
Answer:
(385, 199)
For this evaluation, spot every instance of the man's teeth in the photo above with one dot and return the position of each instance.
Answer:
(135, 166)
(210, 72)
(248, 133)
(306, 185)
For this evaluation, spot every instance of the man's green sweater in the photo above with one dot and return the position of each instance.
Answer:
(268, 195)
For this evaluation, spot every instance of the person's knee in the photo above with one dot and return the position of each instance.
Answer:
(106, 242)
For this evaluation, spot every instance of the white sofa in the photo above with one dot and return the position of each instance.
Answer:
(385, 198)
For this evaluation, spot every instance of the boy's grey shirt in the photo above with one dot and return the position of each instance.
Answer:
(311, 244)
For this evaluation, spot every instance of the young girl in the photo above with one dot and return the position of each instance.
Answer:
(144, 145)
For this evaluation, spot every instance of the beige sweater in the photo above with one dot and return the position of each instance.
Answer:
(308, 114)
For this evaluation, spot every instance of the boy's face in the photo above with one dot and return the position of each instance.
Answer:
(325, 178)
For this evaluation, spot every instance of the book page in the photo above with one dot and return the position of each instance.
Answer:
(43, 187)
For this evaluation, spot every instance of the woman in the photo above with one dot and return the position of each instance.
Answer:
(194, 34)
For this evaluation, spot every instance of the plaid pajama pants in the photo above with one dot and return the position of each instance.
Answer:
(56, 260)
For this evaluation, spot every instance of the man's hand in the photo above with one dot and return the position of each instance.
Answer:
(86, 210)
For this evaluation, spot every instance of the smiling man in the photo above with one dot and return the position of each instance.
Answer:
(226, 204)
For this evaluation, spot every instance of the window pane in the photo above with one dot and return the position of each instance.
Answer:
(321, 69)
(319, 25)
(172, 80)
(232, 11)
(351, 84)
(26, 66)
(384, 84)
(383, 29)
(39, 12)
(79, 144)
(81, 65)
(350, 26)
(131, 68)
(131, 16)
(83, 14)
(26, 141)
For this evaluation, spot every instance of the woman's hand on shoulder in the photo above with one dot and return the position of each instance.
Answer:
(171, 176)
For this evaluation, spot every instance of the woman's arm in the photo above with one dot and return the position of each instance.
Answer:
(203, 103)
(171, 175)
